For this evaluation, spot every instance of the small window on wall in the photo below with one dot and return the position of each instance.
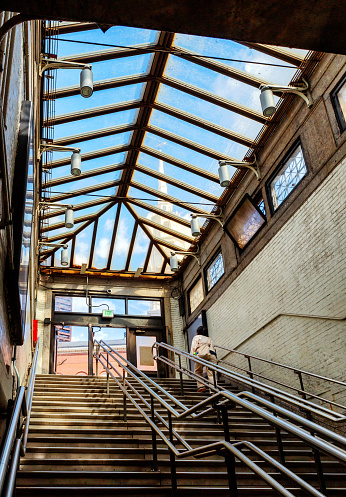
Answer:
(245, 222)
(291, 172)
(214, 271)
(338, 97)
(195, 295)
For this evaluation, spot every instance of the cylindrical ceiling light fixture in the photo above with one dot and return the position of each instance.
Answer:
(224, 176)
(76, 164)
(86, 82)
(267, 102)
(64, 257)
(69, 217)
(173, 262)
(195, 228)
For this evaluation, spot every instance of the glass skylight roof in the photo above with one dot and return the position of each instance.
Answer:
(172, 117)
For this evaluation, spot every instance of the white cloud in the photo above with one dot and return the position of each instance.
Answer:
(102, 248)
(122, 239)
(81, 253)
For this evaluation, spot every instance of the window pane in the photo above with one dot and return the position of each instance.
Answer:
(196, 295)
(115, 305)
(245, 222)
(215, 271)
(71, 304)
(341, 94)
(144, 307)
(292, 172)
(261, 206)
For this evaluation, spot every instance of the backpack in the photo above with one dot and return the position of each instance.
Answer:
(203, 349)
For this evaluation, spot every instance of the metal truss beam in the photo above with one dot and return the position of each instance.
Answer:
(106, 84)
(202, 123)
(179, 163)
(213, 99)
(159, 212)
(184, 142)
(95, 154)
(177, 183)
(89, 113)
(168, 198)
(87, 174)
(279, 53)
(169, 231)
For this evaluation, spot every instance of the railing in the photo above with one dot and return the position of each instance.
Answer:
(315, 436)
(299, 372)
(273, 393)
(16, 436)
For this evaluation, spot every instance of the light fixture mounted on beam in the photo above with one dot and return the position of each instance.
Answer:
(86, 75)
(64, 253)
(267, 96)
(76, 159)
(173, 260)
(195, 227)
(224, 176)
(69, 214)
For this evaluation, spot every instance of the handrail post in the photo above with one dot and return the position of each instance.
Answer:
(278, 437)
(229, 457)
(172, 457)
(90, 350)
(153, 434)
(250, 372)
(320, 475)
(124, 397)
(181, 377)
(301, 384)
(107, 374)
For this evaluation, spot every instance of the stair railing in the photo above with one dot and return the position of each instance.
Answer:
(272, 392)
(16, 437)
(299, 372)
(223, 401)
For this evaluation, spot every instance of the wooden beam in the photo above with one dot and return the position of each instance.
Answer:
(184, 142)
(88, 113)
(115, 229)
(146, 231)
(95, 154)
(147, 259)
(202, 123)
(279, 53)
(71, 27)
(133, 238)
(177, 183)
(168, 198)
(169, 245)
(60, 225)
(106, 84)
(92, 246)
(159, 61)
(224, 69)
(78, 207)
(87, 174)
(179, 163)
(159, 212)
(83, 191)
(110, 54)
(210, 97)
(169, 231)
(92, 135)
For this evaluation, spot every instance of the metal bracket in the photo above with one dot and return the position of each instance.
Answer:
(302, 91)
(50, 147)
(218, 217)
(196, 254)
(59, 64)
(253, 166)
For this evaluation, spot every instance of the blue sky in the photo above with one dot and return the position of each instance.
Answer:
(181, 70)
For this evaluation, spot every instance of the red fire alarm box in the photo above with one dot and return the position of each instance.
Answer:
(34, 331)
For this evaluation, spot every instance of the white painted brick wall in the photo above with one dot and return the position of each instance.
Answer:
(178, 336)
(301, 271)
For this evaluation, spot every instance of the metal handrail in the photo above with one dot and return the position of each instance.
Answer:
(15, 443)
(297, 371)
(273, 392)
(224, 398)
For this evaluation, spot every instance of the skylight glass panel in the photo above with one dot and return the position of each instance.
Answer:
(123, 239)
(82, 246)
(208, 111)
(100, 143)
(116, 35)
(103, 238)
(77, 103)
(95, 123)
(155, 261)
(197, 134)
(140, 250)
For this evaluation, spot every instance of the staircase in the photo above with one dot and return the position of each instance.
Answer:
(79, 444)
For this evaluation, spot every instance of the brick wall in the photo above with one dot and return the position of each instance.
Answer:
(300, 271)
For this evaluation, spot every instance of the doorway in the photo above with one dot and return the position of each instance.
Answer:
(139, 346)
